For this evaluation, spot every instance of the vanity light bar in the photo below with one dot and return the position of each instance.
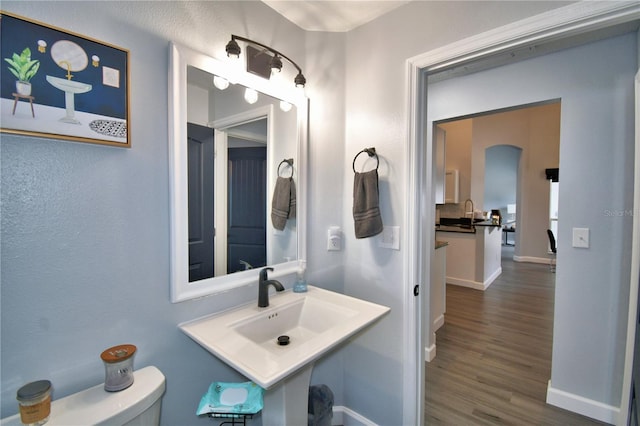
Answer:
(233, 50)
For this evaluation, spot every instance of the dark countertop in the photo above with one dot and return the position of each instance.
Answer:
(466, 229)
(456, 228)
(486, 223)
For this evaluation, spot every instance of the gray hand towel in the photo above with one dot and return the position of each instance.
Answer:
(292, 200)
(283, 204)
(366, 212)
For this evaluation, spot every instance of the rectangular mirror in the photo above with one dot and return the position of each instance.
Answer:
(225, 156)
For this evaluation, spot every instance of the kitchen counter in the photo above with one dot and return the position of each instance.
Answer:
(486, 223)
(473, 258)
(456, 228)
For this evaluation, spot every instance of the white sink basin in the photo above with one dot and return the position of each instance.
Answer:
(246, 337)
(70, 86)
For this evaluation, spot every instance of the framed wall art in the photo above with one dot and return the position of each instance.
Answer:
(61, 85)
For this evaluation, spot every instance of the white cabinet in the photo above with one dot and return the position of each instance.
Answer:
(451, 187)
(438, 286)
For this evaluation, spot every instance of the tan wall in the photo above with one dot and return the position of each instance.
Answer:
(537, 131)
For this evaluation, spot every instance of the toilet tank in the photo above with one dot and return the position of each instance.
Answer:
(139, 404)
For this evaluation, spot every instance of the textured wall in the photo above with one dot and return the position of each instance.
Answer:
(85, 228)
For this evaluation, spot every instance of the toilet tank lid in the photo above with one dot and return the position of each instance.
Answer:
(96, 406)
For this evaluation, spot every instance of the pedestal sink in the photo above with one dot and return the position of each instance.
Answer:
(246, 338)
(70, 89)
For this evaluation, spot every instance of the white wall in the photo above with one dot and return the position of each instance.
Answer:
(596, 146)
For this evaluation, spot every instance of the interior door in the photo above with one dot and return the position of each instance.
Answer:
(200, 158)
(247, 213)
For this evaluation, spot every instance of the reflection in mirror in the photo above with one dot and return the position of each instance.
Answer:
(228, 141)
(227, 146)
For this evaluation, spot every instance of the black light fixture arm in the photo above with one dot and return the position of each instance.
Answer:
(246, 40)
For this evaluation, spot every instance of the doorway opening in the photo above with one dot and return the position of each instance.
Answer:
(500, 158)
(544, 29)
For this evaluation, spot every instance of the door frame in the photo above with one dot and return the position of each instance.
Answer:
(579, 18)
(635, 269)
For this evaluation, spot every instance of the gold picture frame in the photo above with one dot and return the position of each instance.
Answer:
(61, 85)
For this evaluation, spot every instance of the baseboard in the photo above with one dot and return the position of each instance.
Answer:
(347, 417)
(492, 278)
(430, 353)
(438, 322)
(581, 405)
(531, 259)
(475, 284)
(465, 283)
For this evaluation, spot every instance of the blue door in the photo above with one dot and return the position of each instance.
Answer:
(247, 213)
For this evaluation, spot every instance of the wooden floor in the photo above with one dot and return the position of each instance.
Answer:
(493, 354)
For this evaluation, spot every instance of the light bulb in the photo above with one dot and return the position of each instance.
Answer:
(285, 106)
(250, 95)
(220, 82)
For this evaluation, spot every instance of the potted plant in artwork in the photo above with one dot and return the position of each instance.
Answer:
(24, 68)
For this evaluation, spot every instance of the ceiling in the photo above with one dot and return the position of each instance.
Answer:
(332, 15)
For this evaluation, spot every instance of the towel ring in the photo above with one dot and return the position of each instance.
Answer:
(371, 152)
(289, 161)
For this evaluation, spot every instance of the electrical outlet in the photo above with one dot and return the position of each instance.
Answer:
(334, 239)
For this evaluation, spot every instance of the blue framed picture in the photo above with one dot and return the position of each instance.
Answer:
(61, 85)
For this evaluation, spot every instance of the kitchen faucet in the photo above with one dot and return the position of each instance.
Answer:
(263, 287)
(469, 200)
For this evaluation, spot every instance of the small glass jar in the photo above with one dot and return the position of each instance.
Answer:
(35, 402)
(118, 365)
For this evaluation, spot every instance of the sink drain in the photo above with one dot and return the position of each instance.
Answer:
(283, 340)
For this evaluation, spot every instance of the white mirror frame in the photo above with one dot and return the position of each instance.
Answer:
(180, 57)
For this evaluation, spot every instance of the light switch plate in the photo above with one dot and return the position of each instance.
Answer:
(390, 238)
(580, 237)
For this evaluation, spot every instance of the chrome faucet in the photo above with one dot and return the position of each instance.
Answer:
(263, 287)
(469, 200)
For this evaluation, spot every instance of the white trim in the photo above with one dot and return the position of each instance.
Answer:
(635, 270)
(430, 353)
(347, 417)
(438, 322)
(180, 57)
(243, 117)
(532, 259)
(417, 262)
(477, 285)
(581, 405)
(492, 278)
(576, 18)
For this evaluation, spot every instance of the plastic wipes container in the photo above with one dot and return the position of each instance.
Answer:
(35, 402)
(231, 398)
